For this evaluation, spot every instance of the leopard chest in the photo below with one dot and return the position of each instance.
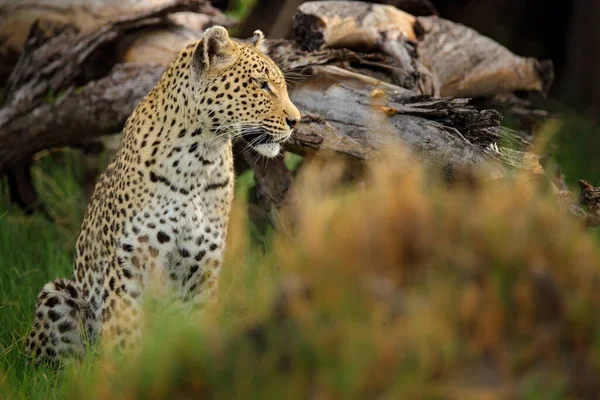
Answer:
(177, 234)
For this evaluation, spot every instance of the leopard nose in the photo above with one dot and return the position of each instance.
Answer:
(292, 123)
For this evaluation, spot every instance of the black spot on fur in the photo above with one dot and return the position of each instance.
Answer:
(64, 327)
(72, 291)
(53, 315)
(52, 301)
(184, 253)
(200, 255)
(218, 185)
(162, 237)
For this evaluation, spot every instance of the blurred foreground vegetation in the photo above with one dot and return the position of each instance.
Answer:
(396, 286)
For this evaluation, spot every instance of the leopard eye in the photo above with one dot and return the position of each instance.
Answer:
(264, 85)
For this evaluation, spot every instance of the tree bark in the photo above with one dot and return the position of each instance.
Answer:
(467, 64)
(274, 16)
(450, 60)
(17, 18)
(99, 108)
(360, 114)
(364, 116)
(56, 57)
(59, 63)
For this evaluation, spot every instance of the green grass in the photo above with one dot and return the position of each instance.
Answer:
(33, 251)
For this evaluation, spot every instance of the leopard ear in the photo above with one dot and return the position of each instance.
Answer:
(215, 50)
(258, 40)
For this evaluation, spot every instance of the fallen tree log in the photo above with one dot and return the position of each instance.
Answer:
(364, 116)
(61, 60)
(57, 57)
(99, 108)
(466, 63)
(443, 131)
(273, 16)
(451, 59)
(283, 52)
(17, 18)
(349, 105)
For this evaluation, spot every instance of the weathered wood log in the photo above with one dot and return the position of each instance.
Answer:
(36, 127)
(360, 114)
(379, 28)
(17, 18)
(60, 61)
(466, 63)
(99, 108)
(334, 24)
(50, 64)
(293, 59)
(273, 16)
(451, 59)
(364, 116)
(273, 185)
(155, 44)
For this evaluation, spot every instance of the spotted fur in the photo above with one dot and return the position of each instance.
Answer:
(159, 212)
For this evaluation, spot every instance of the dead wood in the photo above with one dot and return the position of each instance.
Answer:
(376, 65)
(17, 18)
(273, 184)
(466, 63)
(155, 44)
(510, 104)
(590, 198)
(355, 104)
(99, 108)
(450, 59)
(59, 62)
(320, 24)
(359, 116)
(273, 16)
(345, 112)
(57, 57)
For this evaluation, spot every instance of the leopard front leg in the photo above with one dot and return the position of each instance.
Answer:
(138, 271)
(122, 322)
(122, 300)
(195, 264)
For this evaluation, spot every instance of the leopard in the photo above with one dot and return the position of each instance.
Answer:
(159, 212)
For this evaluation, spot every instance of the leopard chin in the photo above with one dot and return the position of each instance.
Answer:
(269, 150)
(263, 143)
